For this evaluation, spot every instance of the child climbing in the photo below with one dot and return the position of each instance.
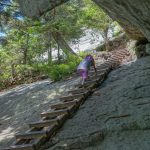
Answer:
(84, 67)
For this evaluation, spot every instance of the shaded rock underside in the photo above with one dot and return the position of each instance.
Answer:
(115, 117)
(132, 15)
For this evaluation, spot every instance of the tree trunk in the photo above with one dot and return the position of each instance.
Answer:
(49, 49)
(58, 54)
(106, 39)
(25, 51)
(13, 70)
(49, 54)
(62, 43)
(25, 56)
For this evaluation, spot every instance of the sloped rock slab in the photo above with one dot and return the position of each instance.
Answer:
(115, 117)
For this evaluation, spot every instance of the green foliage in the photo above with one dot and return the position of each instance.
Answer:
(28, 40)
(57, 72)
(94, 17)
(22, 74)
(65, 20)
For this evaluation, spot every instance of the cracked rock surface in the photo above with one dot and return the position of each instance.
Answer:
(115, 117)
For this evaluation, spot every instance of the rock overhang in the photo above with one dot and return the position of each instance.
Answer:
(132, 15)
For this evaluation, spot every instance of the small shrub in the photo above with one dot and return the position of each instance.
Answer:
(58, 72)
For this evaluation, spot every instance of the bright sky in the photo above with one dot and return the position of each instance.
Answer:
(2, 34)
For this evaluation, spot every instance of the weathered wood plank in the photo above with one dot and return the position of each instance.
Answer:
(31, 135)
(99, 71)
(99, 74)
(44, 123)
(119, 55)
(94, 77)
(112, 59)
(78, 91)
(71, 97)
(106, 64)
(64, 105)
(40, 141)
(54, 113)
(21, 147)
(87, 83)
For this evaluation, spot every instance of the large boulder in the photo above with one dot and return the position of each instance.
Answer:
(115, 117)
(132, 15)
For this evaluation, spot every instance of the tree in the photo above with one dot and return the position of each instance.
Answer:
(94, 17)
(63, 24)
(62, 43)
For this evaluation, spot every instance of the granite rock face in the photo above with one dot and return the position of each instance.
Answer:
(132, 15)
(35, 8)
(115, 117)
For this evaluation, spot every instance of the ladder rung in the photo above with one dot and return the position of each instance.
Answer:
(64, 105)
(91, 82)
(21, 147)
(98, 75)
(121, 52)
(117, 58)
(112, 59)
(106, 64)
(119, 55)
(99, 71)
(32, 135)
(78, 91)
(93, 77)
(44, 123)
(54, 113)
(72, 97)
(88, 83)
(98, 67)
